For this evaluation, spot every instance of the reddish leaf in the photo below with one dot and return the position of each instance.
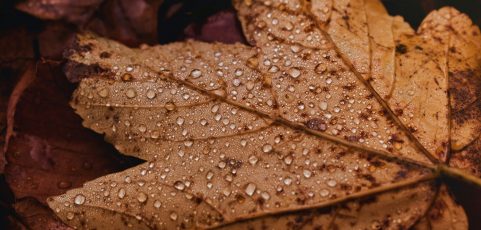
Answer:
(131, 22)
(70, 10)
(51, 152)
(37, 216)
(221, 27)
(54, 39)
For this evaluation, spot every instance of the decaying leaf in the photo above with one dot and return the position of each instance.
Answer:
(41, 162)
(72, 11)
(337, 116)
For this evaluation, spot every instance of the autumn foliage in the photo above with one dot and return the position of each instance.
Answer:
(250, 150)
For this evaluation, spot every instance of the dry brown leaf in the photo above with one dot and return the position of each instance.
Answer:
(337, 116)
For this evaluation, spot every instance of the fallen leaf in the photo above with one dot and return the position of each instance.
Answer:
(131, 22)
(49, 151)
(220, 27)
(12, 64)
(70, 10)
(37, 216)
(338, 115)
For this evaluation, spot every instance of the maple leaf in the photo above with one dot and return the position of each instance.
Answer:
(338, 115)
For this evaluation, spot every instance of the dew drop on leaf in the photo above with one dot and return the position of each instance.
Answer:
(142, 197)
(307, 173)
(130, 93)
(121, 193)
(266, 148)
(294, 72)
(104, 92)
(173, 216)
(151, 94)
(250, 189)
(70, 215)
(324, 192)
(79, 199)
(195, 73)
(253, 160)
(157, 204)
(170, 106)
(331, 183)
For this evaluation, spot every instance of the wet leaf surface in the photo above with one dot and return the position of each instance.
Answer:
(337, 115)
(175, 20)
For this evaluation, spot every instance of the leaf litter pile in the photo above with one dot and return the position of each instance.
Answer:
(331, 115)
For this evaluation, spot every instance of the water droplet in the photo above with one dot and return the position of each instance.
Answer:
(273, 69)
(170, 106)
(250, 189)
(219, 92)
(287, 181)
(151, 94)
(195, 73)
(294, 72)
(222, 164)
(188, 143)
(243, 142)
(131, 93)
(209, 175)
(239, 72)
(142, 128)
(307, 173)
(295, 49)
(250, 85)
(265, 196)
(121, 193)
(288, 160)
(142, 197)
(267, 148)
(104, 92)
(155, 134)
(79, 199)
(179, 185)
(70, 215)
(129, 68)
(277, 139)
(157, 204)
(253, 160)
(180, 121)
(323, 105)
(331, 183)
(173, 216)
(180, 153)
(236, 82)
(324, 192)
